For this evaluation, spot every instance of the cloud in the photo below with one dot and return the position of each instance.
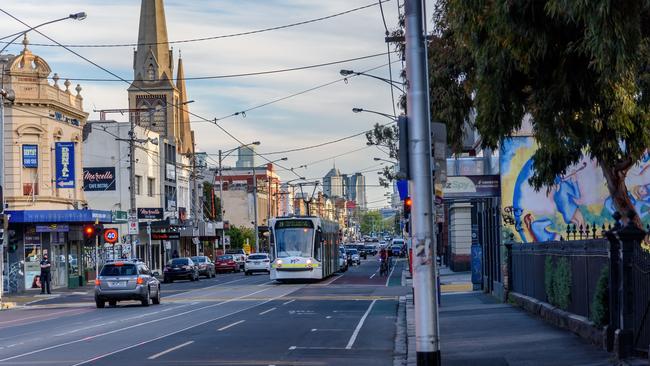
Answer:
(311, 118)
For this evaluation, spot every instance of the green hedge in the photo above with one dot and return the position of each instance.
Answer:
(557, 282)
(600, 303)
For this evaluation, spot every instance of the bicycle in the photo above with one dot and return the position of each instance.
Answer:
(383, 267)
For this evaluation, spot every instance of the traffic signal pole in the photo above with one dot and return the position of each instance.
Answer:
(423, 240)
(96, 251)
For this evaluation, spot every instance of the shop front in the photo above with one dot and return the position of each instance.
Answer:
(57, 233)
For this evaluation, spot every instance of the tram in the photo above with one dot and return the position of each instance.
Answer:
(304, 247)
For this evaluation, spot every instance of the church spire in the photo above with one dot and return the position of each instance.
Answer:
(185, 132)
(153, 59)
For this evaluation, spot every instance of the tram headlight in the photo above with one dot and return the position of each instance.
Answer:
(308, 261)
(278, 263)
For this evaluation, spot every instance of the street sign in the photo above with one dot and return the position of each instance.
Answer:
(196, 241)
(247, 248)
(226, 239)
(133, 227)
(111, 236)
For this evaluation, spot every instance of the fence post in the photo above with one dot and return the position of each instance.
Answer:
(507, 272)
(614, 282)
(628, 237)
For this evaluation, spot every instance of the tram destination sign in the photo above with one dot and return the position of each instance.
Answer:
(285, 224)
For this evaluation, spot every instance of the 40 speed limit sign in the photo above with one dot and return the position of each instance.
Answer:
(111, 236)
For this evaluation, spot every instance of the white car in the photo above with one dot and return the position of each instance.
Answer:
(354, 256)
(257, 262)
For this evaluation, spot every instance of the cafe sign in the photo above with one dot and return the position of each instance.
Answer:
(99, 179)
(148, 213)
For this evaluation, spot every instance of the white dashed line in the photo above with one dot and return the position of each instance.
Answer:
(170, 350)
(267, 311)
(230, 325)
(358, 328)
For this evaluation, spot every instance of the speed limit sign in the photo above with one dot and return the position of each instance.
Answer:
(111, 235)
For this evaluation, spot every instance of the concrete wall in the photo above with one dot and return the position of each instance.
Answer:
(460, 236)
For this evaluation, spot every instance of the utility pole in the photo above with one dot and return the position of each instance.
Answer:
(134, 210)
(427, 343)
(195, 202)
(257, 236)
(10, 96)
(223, 232)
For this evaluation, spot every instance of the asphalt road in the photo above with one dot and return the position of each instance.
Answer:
(233, 319)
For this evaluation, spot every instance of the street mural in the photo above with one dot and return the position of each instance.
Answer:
(580, 197)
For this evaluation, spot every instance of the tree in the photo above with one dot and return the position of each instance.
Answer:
(578, 69)
(238, 236)
(371, 222)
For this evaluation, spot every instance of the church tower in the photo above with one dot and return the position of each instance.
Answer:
(153, 87)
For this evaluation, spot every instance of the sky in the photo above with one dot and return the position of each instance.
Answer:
(311, 118)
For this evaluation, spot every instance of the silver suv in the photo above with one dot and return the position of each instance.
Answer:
(126, 280)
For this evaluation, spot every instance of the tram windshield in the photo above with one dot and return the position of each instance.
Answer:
(294, 238)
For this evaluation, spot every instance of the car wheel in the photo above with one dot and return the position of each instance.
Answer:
(145, 300)
(156, 300)
(100, 304)
(112, 303)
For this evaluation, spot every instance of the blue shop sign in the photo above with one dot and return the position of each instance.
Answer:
(30, 156)
(59, 216)
(65, 165)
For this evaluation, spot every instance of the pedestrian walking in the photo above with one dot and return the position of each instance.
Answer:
(45, 274)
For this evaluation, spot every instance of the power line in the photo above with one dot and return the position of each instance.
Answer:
(231, 35)
(226, 76)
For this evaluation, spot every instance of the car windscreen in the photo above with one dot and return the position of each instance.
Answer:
(178, 262)
(199, 259)
(119, 270)
(257, 256)
(224, 258)
(352, 251)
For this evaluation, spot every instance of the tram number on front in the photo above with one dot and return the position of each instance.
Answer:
(295, 260)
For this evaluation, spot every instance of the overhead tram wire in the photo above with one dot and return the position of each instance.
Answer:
(137, 87)
(229, 76)
(231, 35)
(243, 113)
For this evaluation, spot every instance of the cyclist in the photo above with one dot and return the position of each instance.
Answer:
(383, 261)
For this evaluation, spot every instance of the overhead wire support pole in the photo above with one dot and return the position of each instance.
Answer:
(427, 343)
(132, 192)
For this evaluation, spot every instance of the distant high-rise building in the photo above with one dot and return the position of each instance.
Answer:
(333, 183)
(246, 157)
(356, 189)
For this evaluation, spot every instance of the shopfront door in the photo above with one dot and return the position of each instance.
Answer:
(59, 271)
(74, 264)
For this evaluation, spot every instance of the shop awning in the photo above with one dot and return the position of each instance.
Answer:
(44, 216)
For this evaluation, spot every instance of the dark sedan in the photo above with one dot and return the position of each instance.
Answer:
(226, 263)
(181, 268)
(206, 267)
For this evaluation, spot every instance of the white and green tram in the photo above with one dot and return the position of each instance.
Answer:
(304, 247)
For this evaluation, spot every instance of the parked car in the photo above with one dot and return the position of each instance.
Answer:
(257, 262)
(181, 268)
(343, 260)
(126, 280)
(396, 250)
(226, 263)
(400, 243)
(239, 255)
(354, 256)
(206, 267)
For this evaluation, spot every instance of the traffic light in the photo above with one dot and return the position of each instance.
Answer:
(89, 231)
(408, 202)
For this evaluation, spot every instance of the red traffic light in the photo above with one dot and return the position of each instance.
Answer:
(408, 202)
(89, 231)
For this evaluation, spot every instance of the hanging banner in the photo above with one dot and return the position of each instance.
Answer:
(30, 156)
(99, 179)
(65, 176)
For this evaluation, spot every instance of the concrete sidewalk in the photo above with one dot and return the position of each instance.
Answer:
(477, 330)
(31, 297)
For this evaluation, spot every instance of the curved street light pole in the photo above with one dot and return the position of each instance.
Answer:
(390, 82)
(360, 110)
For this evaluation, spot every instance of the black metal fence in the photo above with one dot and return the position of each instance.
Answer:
(586, 259)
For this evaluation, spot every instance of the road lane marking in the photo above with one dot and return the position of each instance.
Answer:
(373, 275)
(230, 325)
(292, 348)
(267, 311)
(170, 350)
(289, 302)
(125, 328)
(391, 273)
(358, 328)
(47, 315)
(176, 332)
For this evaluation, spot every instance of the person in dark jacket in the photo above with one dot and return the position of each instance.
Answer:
(45, 274)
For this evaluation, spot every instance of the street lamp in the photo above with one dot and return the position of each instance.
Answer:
(390, 82)
(222, 156)
(75, 16)
(389, 116)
